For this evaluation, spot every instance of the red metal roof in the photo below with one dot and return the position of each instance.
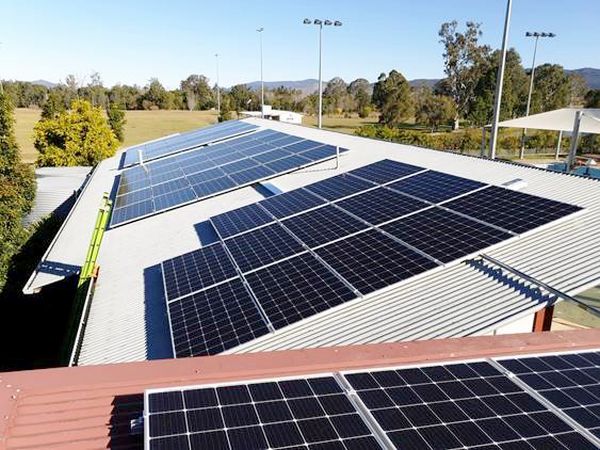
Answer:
(91, 407)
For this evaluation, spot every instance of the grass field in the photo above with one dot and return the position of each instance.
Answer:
(340, 124)
(141, 126)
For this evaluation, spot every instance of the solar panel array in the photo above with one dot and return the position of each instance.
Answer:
(185, 141)
(311, 249)
(187, 177)
(474, 405)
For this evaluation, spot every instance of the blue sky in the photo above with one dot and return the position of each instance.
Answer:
(130, 41)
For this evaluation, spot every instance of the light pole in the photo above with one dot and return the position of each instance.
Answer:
(218, 90)
(537, 36)
(262, 82)
(500, 80)
(320, 23)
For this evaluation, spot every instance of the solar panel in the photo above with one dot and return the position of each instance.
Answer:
(239, 220)
(214, 320)
(511, 210)
(468, 405)
(262, 246)
(444, 235)
(436, 187)
(289, 414)
(381, 205)
(197, 270)
(186, 141)
(192, 176)
(323, 225)
(571, 382)
(339, 186)
(385, 171)
(297, 288)
(291, 202)
(370, 261)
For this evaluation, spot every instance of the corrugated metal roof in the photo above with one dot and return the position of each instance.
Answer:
(91, 407)
(55, 187)
(127, 320)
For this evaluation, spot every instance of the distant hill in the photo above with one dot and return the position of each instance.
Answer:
(48, 84)
(306, 86)
(429, 82)
(591, 76)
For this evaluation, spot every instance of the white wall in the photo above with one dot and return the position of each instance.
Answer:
(523, 325)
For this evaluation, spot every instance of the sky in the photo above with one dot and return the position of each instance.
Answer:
(131, 41)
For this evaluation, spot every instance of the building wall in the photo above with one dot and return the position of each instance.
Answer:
(522, 325)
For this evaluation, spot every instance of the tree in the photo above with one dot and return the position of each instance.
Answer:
(243, 98)
(391, 95)
(197, 92)
(514, 95)
(360, 91)
(592, 98)
(551, 89)
(155, 96)
(432, 109)
(17, 188)
(463, 61)
(80, 136)
(225, 113)
(578, 89)
(116, 121)
(335, 96)
(54, 105)
(285, 98)
(95, 92)
(125, 97)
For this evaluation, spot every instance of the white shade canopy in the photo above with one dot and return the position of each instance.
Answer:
(558, 120)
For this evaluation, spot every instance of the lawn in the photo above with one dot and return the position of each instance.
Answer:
(340, 124)
(141, 126)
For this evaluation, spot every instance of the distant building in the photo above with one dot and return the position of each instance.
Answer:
(277, 114)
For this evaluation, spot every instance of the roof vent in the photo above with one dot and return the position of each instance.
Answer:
(516, 185)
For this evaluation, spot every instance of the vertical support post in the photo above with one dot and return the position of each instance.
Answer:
(483, 136)
(320, 76)
(499, 82)
(542, 320)
(558, 144)
(574, 139)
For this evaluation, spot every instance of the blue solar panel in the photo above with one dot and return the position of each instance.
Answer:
(323, 225)
(511, 210)
(200, 173)
(307, 413)
(196, 270)
(262, 246)
(444, 235)
(370, 261)
(297, 288)
(185, 141)
(570, 382)
(435, 186)
(339, 186)
(381, 205)
(385, 171)
(214, 320)
(240, 220)
(291, 202)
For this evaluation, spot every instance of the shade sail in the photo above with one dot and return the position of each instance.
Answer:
(558, 120)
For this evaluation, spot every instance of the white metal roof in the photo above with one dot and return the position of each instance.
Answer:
(127, 320)
(558, 120)
(55, 185)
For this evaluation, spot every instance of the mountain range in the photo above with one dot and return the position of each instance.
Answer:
(310, 85)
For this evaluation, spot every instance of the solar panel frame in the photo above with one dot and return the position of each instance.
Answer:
(186, 141)
(292, 202)
(214, 320)
(297, 288)
(445, 236)
(511, 210)
(238, 173)
(339, 186)
(436, 187)
(385, 171)
(240, 220)
(310, 411)
(371, 261)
